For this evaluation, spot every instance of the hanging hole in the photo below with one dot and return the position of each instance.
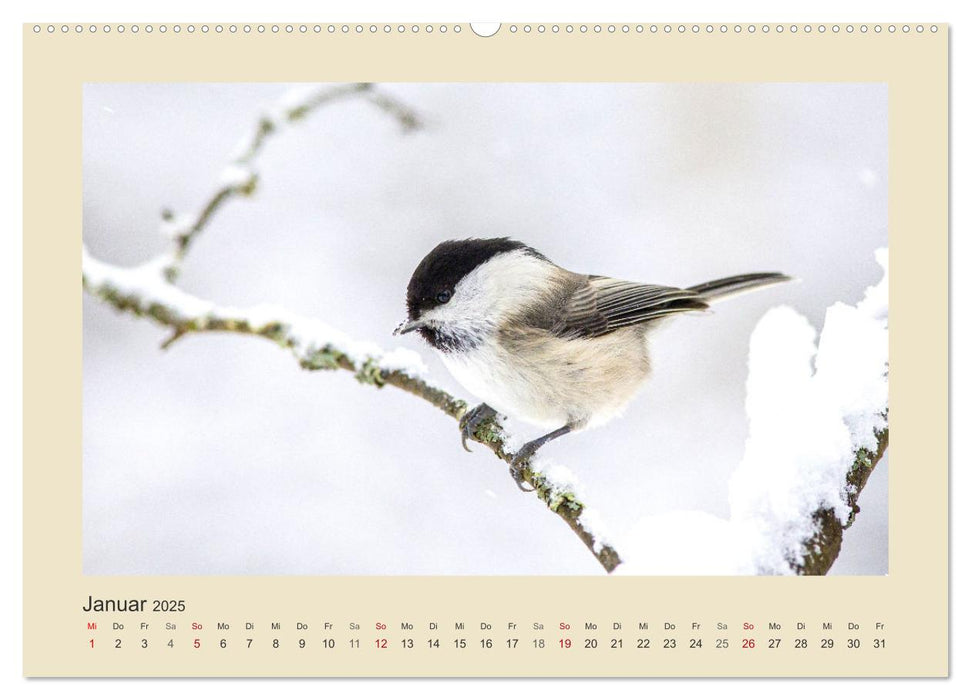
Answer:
(485, 29)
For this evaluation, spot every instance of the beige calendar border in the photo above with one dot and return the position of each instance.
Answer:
(912, 600)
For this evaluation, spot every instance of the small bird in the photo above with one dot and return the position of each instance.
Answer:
(557, 349)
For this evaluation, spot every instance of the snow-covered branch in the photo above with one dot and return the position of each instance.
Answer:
(239, 177)
(144, 291)
(818, 425)
(150, 291)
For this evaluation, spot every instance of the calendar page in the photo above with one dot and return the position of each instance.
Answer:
(530, 350)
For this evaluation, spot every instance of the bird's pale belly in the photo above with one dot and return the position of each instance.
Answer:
(581, 383)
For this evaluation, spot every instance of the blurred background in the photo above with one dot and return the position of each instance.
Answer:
(221, 456)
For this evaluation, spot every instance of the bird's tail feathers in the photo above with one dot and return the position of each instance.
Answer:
(720, 289)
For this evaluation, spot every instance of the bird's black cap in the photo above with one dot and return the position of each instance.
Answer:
(448, 263)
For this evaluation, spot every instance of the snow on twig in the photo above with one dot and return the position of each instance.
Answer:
(239, 177)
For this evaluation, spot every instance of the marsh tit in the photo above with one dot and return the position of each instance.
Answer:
(557, 349)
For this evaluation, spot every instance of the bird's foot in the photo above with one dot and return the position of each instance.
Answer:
(471, 421)
(519, 459)
(528, 450)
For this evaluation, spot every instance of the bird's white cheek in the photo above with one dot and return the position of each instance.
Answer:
(459, 315)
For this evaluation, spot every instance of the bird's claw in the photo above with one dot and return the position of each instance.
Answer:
(516, 465)
(471, 421)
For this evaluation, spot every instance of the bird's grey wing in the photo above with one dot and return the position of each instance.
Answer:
(601, 305)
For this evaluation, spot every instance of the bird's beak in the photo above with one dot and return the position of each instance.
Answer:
(408, 327)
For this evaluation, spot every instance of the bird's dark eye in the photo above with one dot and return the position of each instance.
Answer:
(443, 296)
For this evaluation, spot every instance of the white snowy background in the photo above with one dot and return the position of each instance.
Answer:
(220, 456)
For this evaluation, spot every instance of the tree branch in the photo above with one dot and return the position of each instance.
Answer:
(823, 548)
(145, 292)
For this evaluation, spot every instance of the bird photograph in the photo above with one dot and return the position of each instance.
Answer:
(324, 323)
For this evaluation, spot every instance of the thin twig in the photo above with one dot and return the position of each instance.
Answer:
(240, 178)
